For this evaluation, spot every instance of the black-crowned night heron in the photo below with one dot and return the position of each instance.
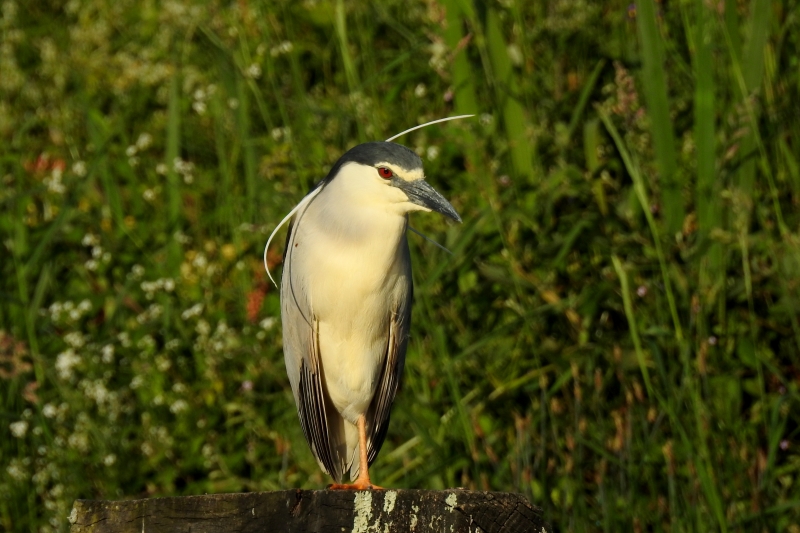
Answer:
(346, 302)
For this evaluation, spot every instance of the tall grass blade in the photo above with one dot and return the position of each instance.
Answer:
(709, 203)
(465, 100)
(655, 92)
(586, 92)
(506, 95)
(248, 149)
(751, 69)
(757, 35)
(732, 24)
(351, 75)
(631, 316)
(591, 143)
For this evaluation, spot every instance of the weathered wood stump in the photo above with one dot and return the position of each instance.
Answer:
(318, 511)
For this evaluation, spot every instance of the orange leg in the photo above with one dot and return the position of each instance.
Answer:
(362, 482)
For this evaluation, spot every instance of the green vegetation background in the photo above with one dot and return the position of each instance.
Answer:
(616, 334)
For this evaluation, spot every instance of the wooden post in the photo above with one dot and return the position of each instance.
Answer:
(317, 511)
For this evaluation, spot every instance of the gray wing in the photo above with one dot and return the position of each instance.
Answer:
(301, 354)
(391, 375)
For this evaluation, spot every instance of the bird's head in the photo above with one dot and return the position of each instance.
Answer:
(385, 174)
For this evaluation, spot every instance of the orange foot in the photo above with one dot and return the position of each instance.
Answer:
(358, 485)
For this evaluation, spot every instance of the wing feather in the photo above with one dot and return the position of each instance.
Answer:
(303, 365)
(380, 409)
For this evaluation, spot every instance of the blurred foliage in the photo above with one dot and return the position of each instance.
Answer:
(616, 335)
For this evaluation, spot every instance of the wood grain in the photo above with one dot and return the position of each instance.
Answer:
(322, 511)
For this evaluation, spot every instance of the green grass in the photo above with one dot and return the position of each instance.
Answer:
(616, 334)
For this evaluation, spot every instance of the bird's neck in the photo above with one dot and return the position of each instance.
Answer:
(356, 223)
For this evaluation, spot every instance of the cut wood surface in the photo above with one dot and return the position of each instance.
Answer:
(300, 511)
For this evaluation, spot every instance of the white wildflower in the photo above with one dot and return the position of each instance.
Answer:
(163, 363)
(207, 450)
(108, 353)
(200, 261)
(179, 406)
(137, 271)
(55, 310)
(79, 441)
(181, 237)
(124, 339)
(515, 55)
(79, 168)
(19, 428)
(95, 390)
(438, 58)
(254, 71)
(65, 362)
(54, 183)
(193, 311)
(283, 48)
(172, 344)
(75, 339)
(144, 141)
(16, 469)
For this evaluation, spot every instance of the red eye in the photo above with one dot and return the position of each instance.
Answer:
(385, 173)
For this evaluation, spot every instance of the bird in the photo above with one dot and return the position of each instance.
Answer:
(346, 294)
